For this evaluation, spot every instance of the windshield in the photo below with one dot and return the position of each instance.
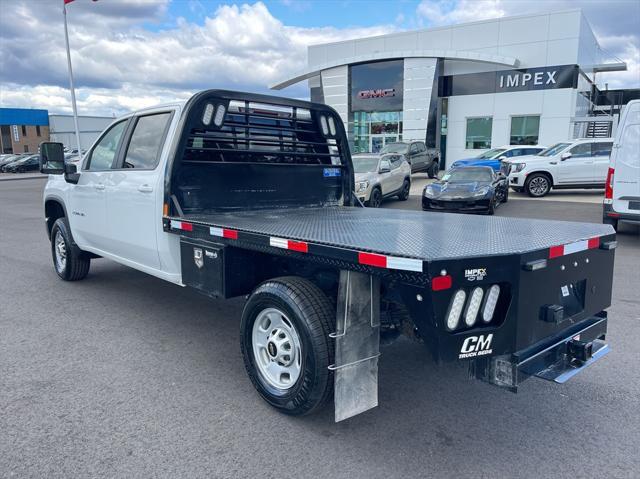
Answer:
(491, 154)
(463, 175)
(553, 150)
(365, 165)
(394, 148)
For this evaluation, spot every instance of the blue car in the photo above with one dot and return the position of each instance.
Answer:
(493, 157)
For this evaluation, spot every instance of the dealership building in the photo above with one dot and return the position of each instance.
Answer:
(530, 79)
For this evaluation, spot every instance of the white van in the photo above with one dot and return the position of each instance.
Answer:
(622, 193)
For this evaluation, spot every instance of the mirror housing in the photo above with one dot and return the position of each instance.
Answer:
(565, 156)
(385, 167)
(52, 158)
(502, 158)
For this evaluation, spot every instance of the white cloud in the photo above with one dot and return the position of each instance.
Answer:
(240, 47)
(449, 12)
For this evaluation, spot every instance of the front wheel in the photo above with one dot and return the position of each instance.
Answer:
(537, 185)
(284, 337)
(433, 170)
(406, 189)
(376, 198)
(70, 263)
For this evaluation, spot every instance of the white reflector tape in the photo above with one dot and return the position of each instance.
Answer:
(575, 247)
(216, 232)
(404, 264)
(279, 242)
(176, 224)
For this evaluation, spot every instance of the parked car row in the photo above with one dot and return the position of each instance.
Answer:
(19, 163)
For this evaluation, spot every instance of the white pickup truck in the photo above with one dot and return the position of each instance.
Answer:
(235, 194)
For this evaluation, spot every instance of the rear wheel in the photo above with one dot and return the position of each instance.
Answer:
(285, 344)
(433, 169)
(537, 185)
(406, 189)
(69, 261)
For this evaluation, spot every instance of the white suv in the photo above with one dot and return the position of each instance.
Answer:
(572, 164)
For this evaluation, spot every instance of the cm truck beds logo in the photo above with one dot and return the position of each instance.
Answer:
(475, 346)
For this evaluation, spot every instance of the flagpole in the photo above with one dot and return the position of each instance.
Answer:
(73, 92)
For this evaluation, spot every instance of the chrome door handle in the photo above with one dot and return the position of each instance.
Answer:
(145, 188)
(99, 186)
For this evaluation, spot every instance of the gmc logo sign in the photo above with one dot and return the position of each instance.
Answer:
(379, 93)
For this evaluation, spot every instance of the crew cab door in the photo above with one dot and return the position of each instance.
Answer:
(577, 167)
(601, 153)
(88, 198)
(134, 206)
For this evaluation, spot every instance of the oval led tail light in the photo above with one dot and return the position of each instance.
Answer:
(474, 306)
(219, 118)
(323, 125)
(332, 126)
(455, 310)
(490, 303)
(208, 113)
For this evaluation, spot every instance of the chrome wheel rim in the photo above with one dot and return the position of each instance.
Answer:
(277, 349)
(538, 186)
(60, 248)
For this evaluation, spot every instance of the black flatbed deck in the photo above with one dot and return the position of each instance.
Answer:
(406, 234)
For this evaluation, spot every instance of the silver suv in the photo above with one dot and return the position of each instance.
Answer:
(381, 176)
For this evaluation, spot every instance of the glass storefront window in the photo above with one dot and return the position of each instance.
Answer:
(478, 133)
(524, 130)
(372, 130)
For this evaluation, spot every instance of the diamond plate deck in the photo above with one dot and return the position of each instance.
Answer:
(412, 234)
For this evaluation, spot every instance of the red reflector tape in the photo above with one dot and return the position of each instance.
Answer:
(556, 251)
(231, 234)
(440, 283)
(594, 243)
(181, 225)
(299, 246)
(372, 259)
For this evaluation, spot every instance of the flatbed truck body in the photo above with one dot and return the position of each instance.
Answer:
(257, 200)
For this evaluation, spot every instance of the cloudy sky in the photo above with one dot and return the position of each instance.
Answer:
(128, 54)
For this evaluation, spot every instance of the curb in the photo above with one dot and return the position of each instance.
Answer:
(20, 178)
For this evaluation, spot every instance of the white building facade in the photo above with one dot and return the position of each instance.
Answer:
(465, 88)
(61, 129)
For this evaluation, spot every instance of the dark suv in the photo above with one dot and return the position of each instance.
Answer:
(417, 154)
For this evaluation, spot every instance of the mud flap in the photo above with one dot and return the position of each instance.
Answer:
(357, 345)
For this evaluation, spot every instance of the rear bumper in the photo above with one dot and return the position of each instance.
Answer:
(556, 359)
(608, 212)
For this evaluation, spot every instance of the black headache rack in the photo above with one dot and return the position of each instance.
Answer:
(239, 151)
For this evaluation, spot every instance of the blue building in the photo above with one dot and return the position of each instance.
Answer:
(22, 130)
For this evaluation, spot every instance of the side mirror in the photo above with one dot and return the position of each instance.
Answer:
(502, 158)
(71, 174)
(51, 158)
(385, 167)
(565, 156)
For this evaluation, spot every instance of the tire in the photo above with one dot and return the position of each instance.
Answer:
(75, 263)
(406, 189)
(432, 172)
(305, 317)
(375, 200)
(610, 221)
(492, 207)
(537, 185)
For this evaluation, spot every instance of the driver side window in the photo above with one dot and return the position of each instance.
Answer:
(105, 150)
(414, 149)
(581, 151)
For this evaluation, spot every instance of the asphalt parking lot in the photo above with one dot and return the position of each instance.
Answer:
(124, 375)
